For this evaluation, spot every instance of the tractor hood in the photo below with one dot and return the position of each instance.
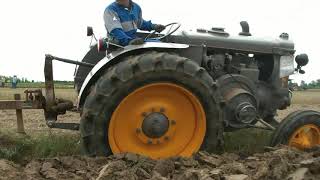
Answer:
(222, 40)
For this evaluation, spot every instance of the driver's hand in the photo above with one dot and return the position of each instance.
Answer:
(159, 27)
(136, 41)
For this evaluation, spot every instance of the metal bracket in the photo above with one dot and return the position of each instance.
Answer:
(51, 58)
(54, 107)
(67, 126)
(267, 126)
(50, 115)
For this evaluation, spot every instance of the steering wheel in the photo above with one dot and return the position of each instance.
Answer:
(170, 31)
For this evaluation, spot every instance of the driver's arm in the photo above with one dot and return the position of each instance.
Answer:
(145, 25)
(114, 27)
(148, 25)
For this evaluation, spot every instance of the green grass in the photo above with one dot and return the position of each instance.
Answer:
(247, 141)
(20, 148)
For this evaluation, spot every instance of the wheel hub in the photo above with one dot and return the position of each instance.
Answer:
(155, 125)
(305, 137)
(151, 122)
(246, 113)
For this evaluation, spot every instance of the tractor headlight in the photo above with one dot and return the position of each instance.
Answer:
(286, 66)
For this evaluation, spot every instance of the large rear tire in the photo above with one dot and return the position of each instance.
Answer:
(156, 104)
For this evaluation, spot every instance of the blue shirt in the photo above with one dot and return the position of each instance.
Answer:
(122, 23)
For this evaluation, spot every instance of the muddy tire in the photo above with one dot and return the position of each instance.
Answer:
(300, 129)
(139, 71)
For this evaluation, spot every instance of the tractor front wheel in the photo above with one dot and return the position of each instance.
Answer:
(156, 104)
(300, 129)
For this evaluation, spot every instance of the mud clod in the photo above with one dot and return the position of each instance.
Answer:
(190, 175)
(9, 169)
(280, 163)
(164, 167)
(205, 158)
(299, 174)
(237, 177)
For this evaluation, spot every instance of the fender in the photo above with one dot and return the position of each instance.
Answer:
(115, 57)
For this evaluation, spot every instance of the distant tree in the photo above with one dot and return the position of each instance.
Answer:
(304, 85)
(8, 79)
(312, 85)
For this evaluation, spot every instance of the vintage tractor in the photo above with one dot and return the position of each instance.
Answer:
(178, 92)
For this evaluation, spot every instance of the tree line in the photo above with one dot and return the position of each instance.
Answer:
(8, 79)
(312, 85)
(315, 84)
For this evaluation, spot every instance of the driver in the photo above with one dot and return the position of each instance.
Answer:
(122, 20)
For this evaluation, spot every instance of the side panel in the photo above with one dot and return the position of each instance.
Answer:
(93, 57)
(114, 57)
(250, 44)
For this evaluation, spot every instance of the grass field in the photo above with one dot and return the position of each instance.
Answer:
(299, 97)
(306, 97)
(44, 142)
(7, 93)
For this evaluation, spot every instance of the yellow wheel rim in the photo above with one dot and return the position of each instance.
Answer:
(305, 137)
(186, 117)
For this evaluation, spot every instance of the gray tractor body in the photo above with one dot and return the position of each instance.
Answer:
(249, 66)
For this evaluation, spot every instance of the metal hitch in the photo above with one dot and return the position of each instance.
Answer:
(53, 106)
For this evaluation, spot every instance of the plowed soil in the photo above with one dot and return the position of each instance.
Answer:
(281, 163)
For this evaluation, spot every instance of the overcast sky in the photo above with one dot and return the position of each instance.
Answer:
(31, 28)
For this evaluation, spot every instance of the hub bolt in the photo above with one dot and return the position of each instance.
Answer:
(166, 138)
(173, 122)
(149, 141)
(138, 130)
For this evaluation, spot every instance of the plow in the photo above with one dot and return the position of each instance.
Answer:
(178, 93)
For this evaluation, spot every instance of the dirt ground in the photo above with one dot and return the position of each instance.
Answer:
(278, 163)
